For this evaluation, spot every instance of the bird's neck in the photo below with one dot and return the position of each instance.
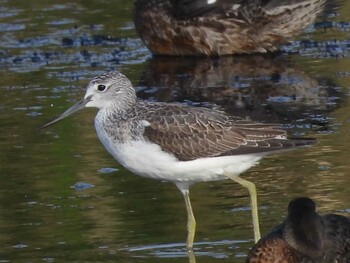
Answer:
(114, 115)
(120, 109)
(305, 233)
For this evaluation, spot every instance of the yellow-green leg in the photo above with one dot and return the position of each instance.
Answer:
(191, 256)
(254, 203)
(191, 221)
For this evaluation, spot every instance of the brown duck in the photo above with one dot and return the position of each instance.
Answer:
(305, 237)
(221, 27)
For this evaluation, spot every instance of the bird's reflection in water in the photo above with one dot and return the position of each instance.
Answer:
(265, 88)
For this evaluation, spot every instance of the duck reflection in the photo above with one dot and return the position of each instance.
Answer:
(305, 236)
(262, 87)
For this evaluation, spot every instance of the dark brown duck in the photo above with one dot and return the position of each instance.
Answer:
(221, 27)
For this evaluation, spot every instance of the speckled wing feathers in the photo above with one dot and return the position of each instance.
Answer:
(191, 133)
(273, 249)
(338, 233)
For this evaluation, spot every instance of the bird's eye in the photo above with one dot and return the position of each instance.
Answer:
(101, 87)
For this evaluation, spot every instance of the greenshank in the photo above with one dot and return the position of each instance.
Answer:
(305, 236)
(178, 143)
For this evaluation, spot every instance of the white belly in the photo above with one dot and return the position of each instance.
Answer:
(148, 160)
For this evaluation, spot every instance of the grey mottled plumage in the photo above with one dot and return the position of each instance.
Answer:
(190, 133)
(178, 143)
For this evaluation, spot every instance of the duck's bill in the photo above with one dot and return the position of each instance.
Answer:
(76, 107)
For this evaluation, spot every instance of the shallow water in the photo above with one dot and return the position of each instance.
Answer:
(63, 198)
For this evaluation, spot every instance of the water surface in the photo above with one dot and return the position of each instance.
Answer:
(63, 198)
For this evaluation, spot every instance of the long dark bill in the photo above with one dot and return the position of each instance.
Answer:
(76, 107)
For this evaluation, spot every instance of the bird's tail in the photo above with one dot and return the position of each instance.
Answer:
(293, 16)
